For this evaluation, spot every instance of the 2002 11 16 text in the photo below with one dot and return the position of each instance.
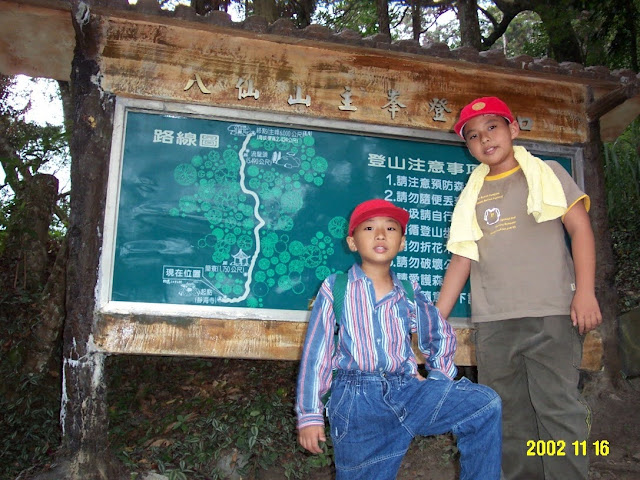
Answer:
(557, 448)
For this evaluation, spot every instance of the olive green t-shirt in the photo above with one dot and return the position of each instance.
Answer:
(525, 268)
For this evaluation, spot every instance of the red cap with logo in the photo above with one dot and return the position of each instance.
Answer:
(482, 106)
(377, 208)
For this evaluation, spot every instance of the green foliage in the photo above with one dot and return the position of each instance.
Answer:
(622, 177)
(28, 149)
(29, 431)
(627, 253)
(525, 35)
(207, 419)
(612, 29)
(35, 147)
(357, 15)
(29, 403)
(15, 330)
(436, 30)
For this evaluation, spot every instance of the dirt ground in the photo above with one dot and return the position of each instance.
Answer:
(616, 418)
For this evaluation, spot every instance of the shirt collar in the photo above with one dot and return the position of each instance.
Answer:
(357, 274)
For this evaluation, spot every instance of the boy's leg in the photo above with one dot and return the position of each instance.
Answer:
(472, 412)
(501, 366)
(562, 414)
(368, 438)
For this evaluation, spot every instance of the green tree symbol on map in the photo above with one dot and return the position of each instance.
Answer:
(229, 211)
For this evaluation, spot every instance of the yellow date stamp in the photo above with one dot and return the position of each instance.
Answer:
(559, 448)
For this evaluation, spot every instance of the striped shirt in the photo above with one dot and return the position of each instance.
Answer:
(373, 337)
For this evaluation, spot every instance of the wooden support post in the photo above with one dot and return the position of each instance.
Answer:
(84, 409)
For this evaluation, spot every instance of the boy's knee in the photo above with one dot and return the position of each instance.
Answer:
(491, 412)
(488, 392)
(495, 402)
(492, 394)
(491, 399)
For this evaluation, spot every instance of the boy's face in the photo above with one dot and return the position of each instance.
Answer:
(378, 240)
(489, 139)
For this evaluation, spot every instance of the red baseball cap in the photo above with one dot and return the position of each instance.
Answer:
(482, 106)
(377, 208)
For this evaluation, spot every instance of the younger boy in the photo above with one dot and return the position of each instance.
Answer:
(378, 401)
(530, 299)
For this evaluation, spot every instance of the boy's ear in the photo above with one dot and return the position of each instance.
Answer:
(352, 244)
(515, 129)
(403, 244)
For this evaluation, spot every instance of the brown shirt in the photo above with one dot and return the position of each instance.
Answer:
(525, 268)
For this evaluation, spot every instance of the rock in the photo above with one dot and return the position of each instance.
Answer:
(231, 462)
(153, 476)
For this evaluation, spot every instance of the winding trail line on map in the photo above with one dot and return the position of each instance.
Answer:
(256, 230)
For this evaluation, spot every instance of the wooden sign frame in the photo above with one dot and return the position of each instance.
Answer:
(143, 328)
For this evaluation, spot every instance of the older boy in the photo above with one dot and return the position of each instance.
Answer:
(378, 401)
(531, 296)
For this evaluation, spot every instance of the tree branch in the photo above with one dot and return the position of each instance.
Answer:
(498, 30)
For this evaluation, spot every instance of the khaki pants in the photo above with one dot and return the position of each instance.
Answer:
(532, 363)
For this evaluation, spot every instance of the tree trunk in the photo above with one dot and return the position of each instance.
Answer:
(605, 260)
(304, 10)
(469, 24)
(27, 236)
(382, 9)
(416, 19)
(46, 334)
(67, 105)
(83, 411)
(563, 42)
(267, 9)
(27, 272)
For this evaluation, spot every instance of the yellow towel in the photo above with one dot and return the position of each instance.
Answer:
(546, 201)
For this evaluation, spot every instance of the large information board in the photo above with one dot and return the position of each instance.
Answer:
(221, 213)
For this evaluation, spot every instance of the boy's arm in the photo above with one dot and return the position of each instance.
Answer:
(453, 283)
(585, 311)
(314, 377)
(436, 337)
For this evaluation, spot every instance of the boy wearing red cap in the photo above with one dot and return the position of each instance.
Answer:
(378, 400)
(532, 297)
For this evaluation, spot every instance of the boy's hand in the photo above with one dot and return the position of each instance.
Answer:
(309, 438)
(585, 312)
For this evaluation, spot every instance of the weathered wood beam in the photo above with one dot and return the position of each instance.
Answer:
(259, 339)
(36, 39)
(143, 59)
(611, 100)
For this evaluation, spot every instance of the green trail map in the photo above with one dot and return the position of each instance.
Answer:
(221, 213)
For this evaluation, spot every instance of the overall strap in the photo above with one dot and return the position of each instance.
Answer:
(408, 289)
